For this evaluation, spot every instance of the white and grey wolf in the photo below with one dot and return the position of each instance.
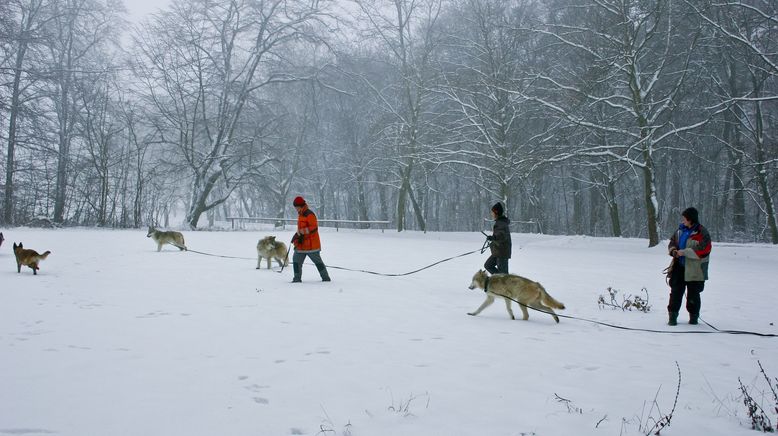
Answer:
(29, 258)
(514, 288)
(271, 249)
(175, 239)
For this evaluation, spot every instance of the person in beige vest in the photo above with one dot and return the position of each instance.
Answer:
(690, 248)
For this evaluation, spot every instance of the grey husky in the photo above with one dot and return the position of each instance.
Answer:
(271, 249)
(514, 288)
(175, 239)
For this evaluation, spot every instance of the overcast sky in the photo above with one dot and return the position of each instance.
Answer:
(139, 9)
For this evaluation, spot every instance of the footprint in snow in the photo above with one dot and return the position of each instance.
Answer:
(255, 387)
(153, 315)
(24, 431)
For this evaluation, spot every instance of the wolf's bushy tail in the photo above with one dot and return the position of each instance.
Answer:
(44, 255)
(551, 302)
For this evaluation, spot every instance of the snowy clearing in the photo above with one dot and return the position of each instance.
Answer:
(113, 338)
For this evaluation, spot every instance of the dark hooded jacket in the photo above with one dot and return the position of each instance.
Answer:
(501, 242)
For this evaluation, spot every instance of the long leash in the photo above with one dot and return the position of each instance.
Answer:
(219, 255)
(287, 256)
(482, 250)
(619, 327)
(738, 332)
(405, 273)
(352, 269)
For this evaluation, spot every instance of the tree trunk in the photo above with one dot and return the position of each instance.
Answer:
(732, 137)
(8, 215)
(24, 34)
(361, 199)
(417, 210)
(761, 175)
(402, 196)
(613, 208)
(64, 121)
(62, 180)
(650, 203)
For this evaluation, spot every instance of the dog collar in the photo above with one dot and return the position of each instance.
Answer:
(486, 284)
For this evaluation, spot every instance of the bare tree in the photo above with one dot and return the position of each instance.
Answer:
(32, 19)
(750, 31)
(486, 60)
(79, 29)
(633, 60)
(100, 127)
(204, 61)
(407, 30)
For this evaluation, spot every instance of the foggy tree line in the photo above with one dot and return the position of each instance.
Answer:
(600, 117)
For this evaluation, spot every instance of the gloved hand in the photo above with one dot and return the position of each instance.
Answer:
(297, 237)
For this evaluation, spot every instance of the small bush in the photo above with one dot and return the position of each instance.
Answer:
(571, 408)
(759, 418)
(665, 419)
(403, 407)
(628, 302)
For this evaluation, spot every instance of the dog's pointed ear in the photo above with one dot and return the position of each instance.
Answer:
(272, 238)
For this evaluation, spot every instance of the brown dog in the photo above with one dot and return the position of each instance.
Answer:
(28, 258)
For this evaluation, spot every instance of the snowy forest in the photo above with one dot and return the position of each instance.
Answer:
(590, 117)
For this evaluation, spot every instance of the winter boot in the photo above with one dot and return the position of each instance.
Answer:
(298, 272)
(673, 318)
(693, 318)
(325, 276)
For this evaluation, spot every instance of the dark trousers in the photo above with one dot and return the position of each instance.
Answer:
(297, 264)
(677, 287)
(496, 265)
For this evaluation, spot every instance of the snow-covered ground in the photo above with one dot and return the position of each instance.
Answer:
(113, 338)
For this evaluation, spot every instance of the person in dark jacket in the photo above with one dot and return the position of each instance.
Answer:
(306, 242)
(500, 239)
(690, 248)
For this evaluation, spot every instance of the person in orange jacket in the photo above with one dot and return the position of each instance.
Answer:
(306, 242)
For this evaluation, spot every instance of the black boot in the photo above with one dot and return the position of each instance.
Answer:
(673, 318)
(325, 276)
(693, 318)
(298, 272)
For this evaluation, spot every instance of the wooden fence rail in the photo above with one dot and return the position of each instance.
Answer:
(323, 222)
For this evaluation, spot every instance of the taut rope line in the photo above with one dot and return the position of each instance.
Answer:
(482, 249)
(615, 326)
(355, 270)
(219, 255)
(405, 273)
